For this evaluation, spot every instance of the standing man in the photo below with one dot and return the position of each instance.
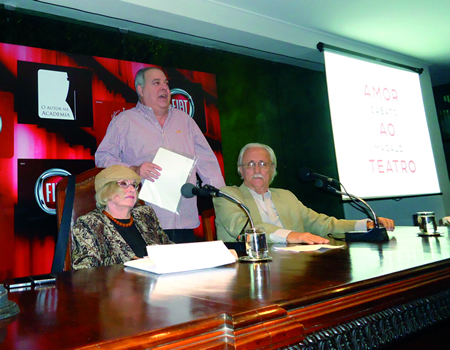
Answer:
(135, 135)
(284, 218)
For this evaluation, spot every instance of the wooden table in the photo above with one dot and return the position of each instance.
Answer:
(365, 293)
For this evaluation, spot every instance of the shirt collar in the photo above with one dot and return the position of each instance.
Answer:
(264, 196)
(140, 105)
(148, 111)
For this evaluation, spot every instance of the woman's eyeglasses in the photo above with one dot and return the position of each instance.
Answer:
(252, 165)
(127, 183)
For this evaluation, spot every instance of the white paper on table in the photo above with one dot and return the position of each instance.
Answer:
(169, 258)
(165, 192)
(308, 247)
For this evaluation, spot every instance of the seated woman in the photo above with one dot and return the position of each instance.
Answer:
(118, 231)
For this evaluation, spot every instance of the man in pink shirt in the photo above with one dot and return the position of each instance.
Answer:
(135, 135)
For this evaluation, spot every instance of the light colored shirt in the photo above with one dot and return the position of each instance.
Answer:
(134, 137)
(269, 215)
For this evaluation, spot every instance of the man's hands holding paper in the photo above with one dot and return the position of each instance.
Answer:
(305, 237)
(147, 170)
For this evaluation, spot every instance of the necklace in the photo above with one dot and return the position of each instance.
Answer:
(118, 222)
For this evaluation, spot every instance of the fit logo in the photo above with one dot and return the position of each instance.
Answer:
(183, 101)
(45, 189)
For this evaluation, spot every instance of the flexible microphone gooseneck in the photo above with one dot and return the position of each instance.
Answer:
(352, 197)
(188, 190)
(377, 233)
(243, 207)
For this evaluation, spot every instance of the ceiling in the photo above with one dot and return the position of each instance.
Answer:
(413, 31)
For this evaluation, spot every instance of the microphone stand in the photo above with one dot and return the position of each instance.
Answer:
(251, 244)
(375, 234)
(243, 207)
(215, 192)
(239, 246)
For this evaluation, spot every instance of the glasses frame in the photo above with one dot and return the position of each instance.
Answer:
(136, 185)
(261, 164)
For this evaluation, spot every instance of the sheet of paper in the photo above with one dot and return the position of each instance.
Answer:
(169, 258)
(166, 191)
(308, 247)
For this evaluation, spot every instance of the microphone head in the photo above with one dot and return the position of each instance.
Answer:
(305, 174)
(186, 190)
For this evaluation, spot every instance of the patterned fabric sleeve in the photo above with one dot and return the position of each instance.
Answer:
(149, 225)
(85, 245)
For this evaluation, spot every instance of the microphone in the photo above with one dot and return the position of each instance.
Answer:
(188, 190)
(375, 234)
(306, 174)
(215, 192)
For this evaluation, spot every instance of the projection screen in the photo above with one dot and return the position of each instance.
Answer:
(380, 131)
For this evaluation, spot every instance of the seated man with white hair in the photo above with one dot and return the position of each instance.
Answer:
(283, 217)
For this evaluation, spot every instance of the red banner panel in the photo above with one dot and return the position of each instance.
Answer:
(54, 111)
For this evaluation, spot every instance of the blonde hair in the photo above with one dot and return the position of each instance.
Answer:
(105, 194)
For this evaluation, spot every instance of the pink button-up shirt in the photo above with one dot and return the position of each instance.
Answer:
(134, 137)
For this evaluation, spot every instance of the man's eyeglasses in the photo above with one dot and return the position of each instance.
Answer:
(261, 164)
(127, 183)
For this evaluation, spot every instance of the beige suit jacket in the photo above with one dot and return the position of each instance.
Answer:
(230, 218)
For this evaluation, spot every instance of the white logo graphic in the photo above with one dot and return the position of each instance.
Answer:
(53, 87)
(183, 101)
(45, 189)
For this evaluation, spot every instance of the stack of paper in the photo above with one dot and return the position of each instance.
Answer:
(171, 258)
(165, 192)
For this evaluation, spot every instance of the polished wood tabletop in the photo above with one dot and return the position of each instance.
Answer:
(107, 303)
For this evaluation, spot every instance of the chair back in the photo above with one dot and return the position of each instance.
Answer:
(209, 228)
(83, 203)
